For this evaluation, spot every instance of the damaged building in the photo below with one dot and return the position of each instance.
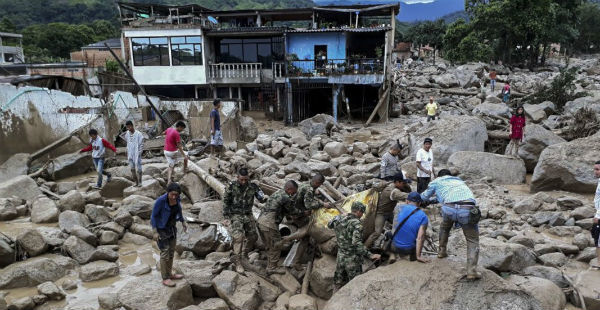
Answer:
(284, 64)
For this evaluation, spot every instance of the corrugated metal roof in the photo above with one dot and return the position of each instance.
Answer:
(345, 29)
(247, 29)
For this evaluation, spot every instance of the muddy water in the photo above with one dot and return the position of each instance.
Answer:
(15, 227)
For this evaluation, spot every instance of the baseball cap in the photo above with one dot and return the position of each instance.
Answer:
(414, 197)
(428, 140)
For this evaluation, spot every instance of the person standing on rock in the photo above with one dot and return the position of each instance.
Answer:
(174, 152)
(135, 147)
(431, 109)
(389, 195)
(517, 131)
(351, 250)
(425, 169)
(268, 222)
(493, 79)
(216, 136)
(237, 211)
(458, 207)
(165, 215)
(389, 163)
(409, 238)
(98, 147)
(506, 92)
(597, 205)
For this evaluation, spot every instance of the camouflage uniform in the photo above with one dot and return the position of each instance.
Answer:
(389, 197)
(268, 224)
(237, 207)
(306, 200)
(351, 250)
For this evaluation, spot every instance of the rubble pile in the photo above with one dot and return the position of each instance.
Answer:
(82, 235)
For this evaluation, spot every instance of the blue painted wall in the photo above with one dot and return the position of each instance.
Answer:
(303, 44)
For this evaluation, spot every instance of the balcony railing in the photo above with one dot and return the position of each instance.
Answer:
(326, 67)
(278, 70)
(235, 71)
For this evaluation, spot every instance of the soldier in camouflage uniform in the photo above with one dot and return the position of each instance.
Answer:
(351, 250)
(268, 222)
(237, 210)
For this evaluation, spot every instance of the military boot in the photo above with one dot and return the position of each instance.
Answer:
(139, 179)
(442, 253)
(237, 262)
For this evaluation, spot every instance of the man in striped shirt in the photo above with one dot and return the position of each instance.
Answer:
(389, 163)
(457, 202)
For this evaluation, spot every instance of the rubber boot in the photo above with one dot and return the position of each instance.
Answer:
(442, 253)
(237, 262)
(134, 177)
(472, 259)
(139, 179)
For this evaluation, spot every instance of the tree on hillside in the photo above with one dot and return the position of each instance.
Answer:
(587, 28)
(429, 32)
(7, 26)
(462, 44)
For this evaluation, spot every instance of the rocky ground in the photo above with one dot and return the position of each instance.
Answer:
(67, 246)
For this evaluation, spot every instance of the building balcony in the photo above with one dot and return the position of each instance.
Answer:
(335, 67)
(245, 73)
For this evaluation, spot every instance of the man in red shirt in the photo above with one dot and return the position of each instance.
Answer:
(98, 147)
(174, 149)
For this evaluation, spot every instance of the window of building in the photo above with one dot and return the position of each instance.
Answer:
(186, 51)
(255, 50)
(150, 51)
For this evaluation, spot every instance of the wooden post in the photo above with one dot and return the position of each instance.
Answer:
(209, 179)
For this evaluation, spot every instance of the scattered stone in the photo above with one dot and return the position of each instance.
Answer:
(98, 270)
(581, 213)
(193, 187)
(123, 218)
(287, 282)
(568, 203)
(73, 201)
(197, 239)
(150, 188)
(8, 208)
(548, 273)
(84, 235)
(25, 303)
(7, 253)
(97, 214)
(586, 283)
(550, 296)
(69, 219)
(537, 138)
(23, 187)
(302, 302)
(31, 272)
(116, 186)
(320, 124)
(142, 269)
(14, 166)
(94, 198)
(69, 165)
(586, 255)
(138, 206)
(556, 259)
(148, 293)
(135, 239)
(51, 290)
(69, 285)
(321, 277)
(109, 237)
(199, 274)
(44, 210)
(109, 301)
(238, 291)
(32, 242)
(38, 299)
(213, 304)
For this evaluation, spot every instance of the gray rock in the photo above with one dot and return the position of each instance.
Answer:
(319, 124)
(94, 198)
(98, 270)
(84, 234)
(30, 273)
(149, 294)
(451, 135)
(335, 149)
(142, 269)
(528, 205)
(586, 282)
(548, 273)
(248, 128)
(493, 109)
(557, 170)
(70, 165)
(97, 214)
(135, 239)
(73, 201)
(321, 277)
(150, 188)
(116, 186)
(210, 211)
(585, 223)
(32, 242)
(568, 203)
(556, 259)
(51, 290)
(123, 218)
(500, 168)
(25, 303)
(109, 237)
(8, 208)
(323, 168)
(550, 296)
(44, 210)
(109, 301)
(583, 213)
(543, 217)
(213, 304)
(583, 240)
(114, 227)
(7, 253)
(238, 291)
(138, 205)
(69, 219)
(302, 302)
(22, 187)
(143, 230)
(537, 138)
(69, 285)
(14, 166)
(522, 240)
(65, 187)
(198, 240)
(194, 187)
(586, 255)
(588, 102)
(199, 274)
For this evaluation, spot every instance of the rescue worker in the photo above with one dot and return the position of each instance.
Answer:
(351, 250)
(268, 222)
(237, 211)
(389, 196)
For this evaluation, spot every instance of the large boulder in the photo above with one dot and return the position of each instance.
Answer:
(335, 149)
(321, 277)
(446, 80)
(23, 187)
(548, 273)
(32, 242)
(557, 169)
(115, 188)
(210, 211)
(44, 210)
(586, 283)
(550, 296)
(98, 270)
(73, 201)
(317, 125)
(451, 135)
(537, 138)
(83, 252)
(97, 214)
(138, 206)
(15, 166)
(538, 112)
(492, 109)
(322, 167)
(238, 291)
(199, 274)
(70, 165)
(69, 219)
(248, 129)
(589, 102)
(437, 285)
(8, 208)
(146, 293)
(7, 253)
(194, 187)
(495, 254)
(150, 188)
(501, 169)
(302, 302)
(31, 272)
(198, 240)
(50, 290)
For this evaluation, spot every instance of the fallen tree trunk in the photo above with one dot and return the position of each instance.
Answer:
(498, 134)
(333, 191)
(209, 179)
(266, 158)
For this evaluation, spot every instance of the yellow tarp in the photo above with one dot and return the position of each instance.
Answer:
(369, 198)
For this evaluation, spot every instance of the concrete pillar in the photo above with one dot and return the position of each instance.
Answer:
(240, 92)
(230, 92)
(335, 96)
(290, 113)
(1, 51)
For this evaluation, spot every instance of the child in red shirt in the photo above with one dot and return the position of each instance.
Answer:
(517, 131)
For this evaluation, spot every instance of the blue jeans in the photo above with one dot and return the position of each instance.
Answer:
(493, 84)
(506, 97)
(99, 165)
(460, 217)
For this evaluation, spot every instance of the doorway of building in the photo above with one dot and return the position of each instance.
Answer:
(320, 56)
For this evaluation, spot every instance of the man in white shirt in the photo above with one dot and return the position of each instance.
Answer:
(425, 171)
(135, 147)
(597, 205)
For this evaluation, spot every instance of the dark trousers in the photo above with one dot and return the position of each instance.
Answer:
(167, 239)
(412, 253)
(422, 184)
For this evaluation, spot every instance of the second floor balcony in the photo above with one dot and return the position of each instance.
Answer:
(245, 73)
(332, 67)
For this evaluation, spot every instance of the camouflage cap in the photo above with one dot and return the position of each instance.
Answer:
(358, 206)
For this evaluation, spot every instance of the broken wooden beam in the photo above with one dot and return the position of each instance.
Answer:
(266, 158)
(498, 134)
(333, 192)
(209, 179)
